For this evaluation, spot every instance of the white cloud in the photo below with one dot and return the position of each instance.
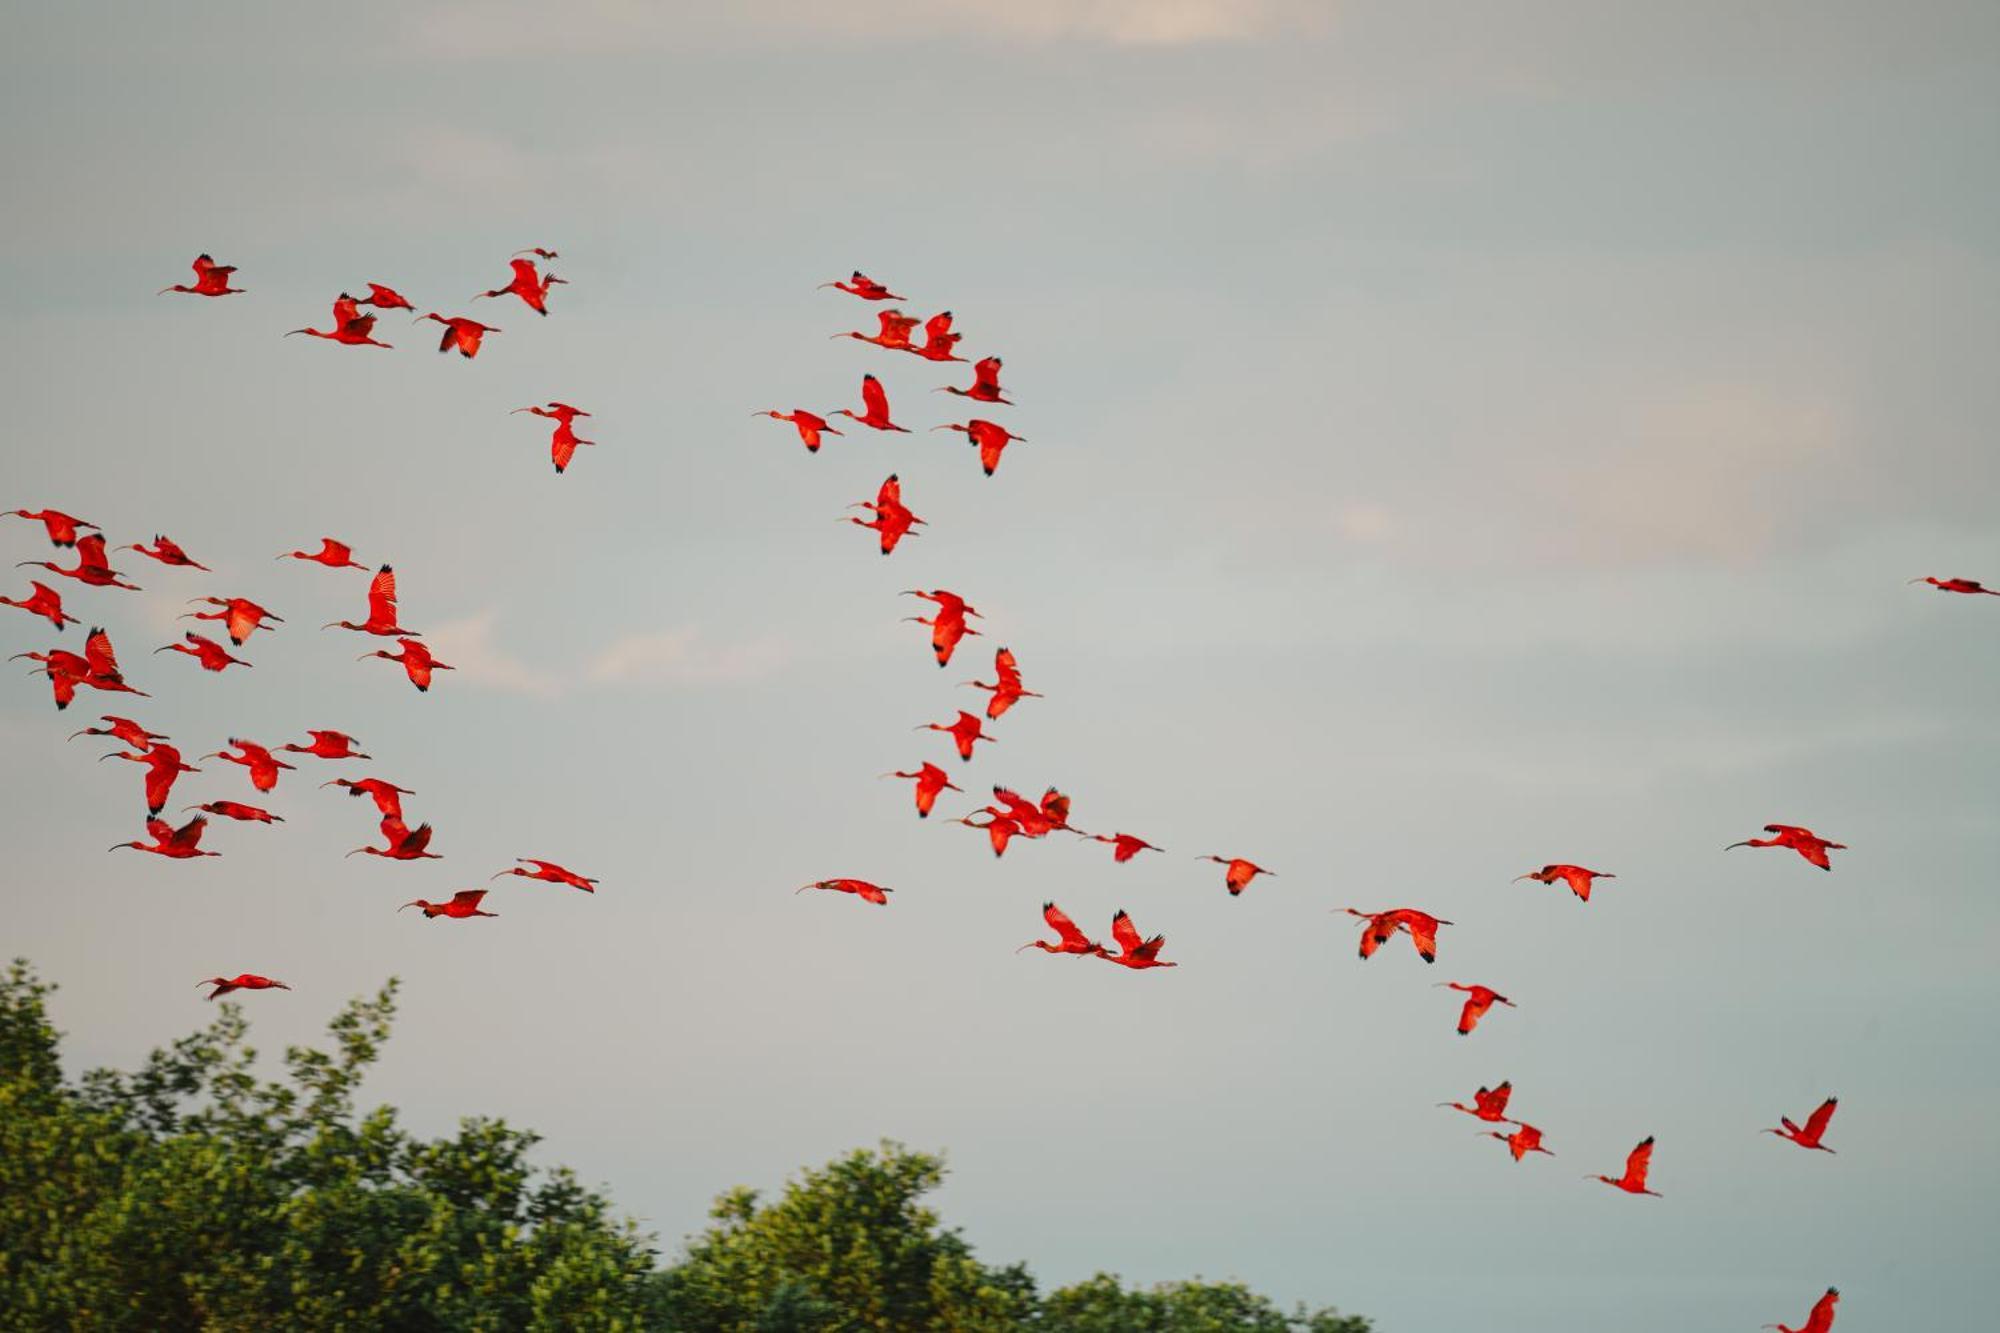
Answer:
(681, 657)
(469, 645)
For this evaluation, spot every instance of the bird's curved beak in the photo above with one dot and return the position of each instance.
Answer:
(1736, 844)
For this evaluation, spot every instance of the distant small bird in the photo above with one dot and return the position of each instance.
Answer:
(388, 797)
(892, 521)
(810, 425)
(461, 905)
(1801, 840)
(262, 765)
(1124, 846)
(1134, 952)
(875, 407)
(167, 552)
(1069, 939)
(212, 655)
(1478, 999)
(210, 279)
(990, 438)
(964, 732)
(176, 844)
(1636, 1166)
(528, 284)
(985, 383)
(461, 333)
(1488, 1104)
(43, 601)
(1239, 873)
(386, 298)
(1814, 1129)
(1968, 586)
(865, 287)
(333, 554)
(1578, 879)
(416, 661)
(1820, 1320)
(328, 745)
(402, 843)
(1006, 687)
(241, 981)
(930, 780)
(1524, 1140)
(248, 814)
(61, 527)
(240, 616)
(860, 888)
(350, 326)
(548, 872)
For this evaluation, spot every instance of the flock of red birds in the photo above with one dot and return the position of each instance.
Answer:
(1008, 816)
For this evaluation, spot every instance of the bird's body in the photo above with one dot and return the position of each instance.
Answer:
(93, 565)
(382, 612)
(248, 814)
(125, 731)
(241, 981)
(1124, 846)
(401, 842)
(164, 766)
(61, 527)
(1524, 1140)
(999, 829)
(1801, 840)
(212, 655)
(564, 440)
(865, 287)
(860, 888)
(939, 340)
(893, 331)
(388, 797)
(1970, 587)
(386, 298)
(528, 284)
(1380, 927)
(985, 383)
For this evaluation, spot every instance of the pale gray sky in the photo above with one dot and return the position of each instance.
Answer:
(1458, 440)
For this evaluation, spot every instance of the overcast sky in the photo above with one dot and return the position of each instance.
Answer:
(1457, 440)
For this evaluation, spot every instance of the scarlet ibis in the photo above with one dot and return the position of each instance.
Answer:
(1488, 1104)
(1240, 872)
(549, 873)
(810, 426)
(1478, 999)
(865, 287)
(964, 732)
(1006, 687)
(528, 284)
(946, 632)
(1037, 819)
(985, 383)
(61, 527)
(1636, 1166)
(1134, 952)
(875, 407)
(416, 661)
(463, 904)
(860, 888)
(163, 765)
(386, 298)
(1820, 1320)
(1815, 1127)
(1069, 939)
(990, 438)
(893, 331)
(388, 797)
(939, 340)
(333, 554)
(381, 609)
(538, 250)
(212, 655)
(999, 829)
(97, 668)
(350, 326)
(1801, 840)
(210, 279)
(43, 601)
(176, 844)
(240, 616)
(167, 552)
(401, 842)
(262, 765)
(461, 333)
(948, 603)
(564, 441)
(892, 521)
(327, 745)
(241, 981)
(930, 780)
(1382, 926)
(1123, 846)
(1971, 587)
(1576, 877)
(1524, 1140)
(248, 814)
(124, 730)
(93, 567)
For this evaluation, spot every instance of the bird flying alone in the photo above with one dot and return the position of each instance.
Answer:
(328, 745)
(860, 888)
(402, 843)
(1801, 840)
(241, 981)
(1578, 879)
(240, 616)
(1808, 1135)
(1637, 1164)
(1124, 846)
(1971, 587)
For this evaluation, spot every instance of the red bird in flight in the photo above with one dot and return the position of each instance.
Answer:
(125, 731)
(875, 407)
(1382, 926)
(1069, 939)
(463, 904)
(1801, 840)
(212, 655)
(333, 554)
(810, 426)
(388, 797)
(1636, 1166)
(1576, 877)
(461, 333)
(402, 843)
(61, 527)
(262, 765)
(930, 780)
(97, 668)
(1814, 1129)
(892, 521)
(893, 331)
(1820, 1320)
(549, 873)
(163, 765)
(1478, 999)
(328, 745)
(1240, 872)
(1006, 687)
(43, 601)
(1524, 1140)
(381, 609)
(1134, 952)
(1972, 587)
(385, 298)
(416, 661)
(1488, 1104)
(939, 340)
(248, 814)
(985, 383)
(528, 284)
(241, 981)
(1123, 845)
(990, 438)
(240, 616)
(865, 287)
(964, 732)
(947, 629)
(860, 888)
(93, 566)
(563, 443)
(999, 829)
(176, 844)
(350, 326)
(167, 552)
(210, 279)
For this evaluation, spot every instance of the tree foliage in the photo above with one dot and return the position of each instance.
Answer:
(194, 1194)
